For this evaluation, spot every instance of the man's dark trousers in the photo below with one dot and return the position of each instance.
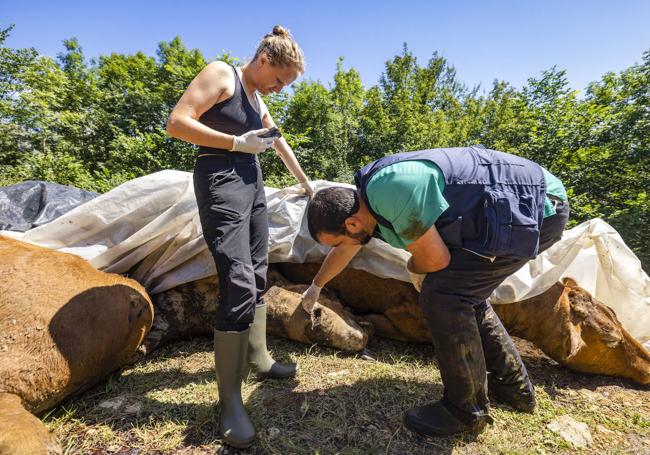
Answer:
(462, 322)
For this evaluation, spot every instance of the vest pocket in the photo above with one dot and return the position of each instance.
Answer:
(512, 229)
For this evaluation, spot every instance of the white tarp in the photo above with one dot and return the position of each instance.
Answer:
(149, 227)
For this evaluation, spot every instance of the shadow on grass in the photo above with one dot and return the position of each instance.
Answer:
(355, 416)
(358, 418)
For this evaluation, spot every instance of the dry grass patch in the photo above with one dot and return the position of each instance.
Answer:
(338, 404)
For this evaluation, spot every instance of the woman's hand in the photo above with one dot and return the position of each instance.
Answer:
(308, 187)
(250, 142)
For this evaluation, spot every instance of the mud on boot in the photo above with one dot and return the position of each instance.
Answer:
(508, 378)
(519, 395)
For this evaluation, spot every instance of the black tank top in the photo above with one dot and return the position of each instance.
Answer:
(232, 116)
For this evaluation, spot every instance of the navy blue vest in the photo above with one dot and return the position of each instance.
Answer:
(496, 200)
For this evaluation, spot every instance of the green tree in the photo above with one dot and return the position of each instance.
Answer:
(97, 123)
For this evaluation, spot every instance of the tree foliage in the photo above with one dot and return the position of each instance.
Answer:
(96, 123)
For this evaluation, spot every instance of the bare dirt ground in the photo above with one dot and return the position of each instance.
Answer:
(341, 403)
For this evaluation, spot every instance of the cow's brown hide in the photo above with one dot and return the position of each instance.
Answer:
(63, 327)
(578, 331)
(23, 433)
(189, 310)
(390, 305)
(565, 322)
(331, 324)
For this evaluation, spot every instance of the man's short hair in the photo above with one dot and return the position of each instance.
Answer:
(328, 209)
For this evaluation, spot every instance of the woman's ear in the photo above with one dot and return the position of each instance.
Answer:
(263, 59)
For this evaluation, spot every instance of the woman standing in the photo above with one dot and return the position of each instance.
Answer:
(222, 112)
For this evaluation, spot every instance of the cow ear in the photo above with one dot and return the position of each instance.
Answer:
(569, 282)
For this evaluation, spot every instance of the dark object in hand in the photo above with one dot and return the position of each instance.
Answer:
(272, 132)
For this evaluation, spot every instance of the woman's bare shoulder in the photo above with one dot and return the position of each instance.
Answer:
(216, 78)
(218, 69)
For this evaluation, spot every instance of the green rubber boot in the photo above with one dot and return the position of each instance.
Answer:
(260, 361)
(230, 350)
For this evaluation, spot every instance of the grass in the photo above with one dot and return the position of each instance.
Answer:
(338, 403)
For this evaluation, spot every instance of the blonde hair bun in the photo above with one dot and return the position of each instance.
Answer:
(281, 49)
(279, 30)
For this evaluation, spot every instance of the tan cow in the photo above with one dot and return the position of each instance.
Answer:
(582, 333)
(565, 322)
(63, 327)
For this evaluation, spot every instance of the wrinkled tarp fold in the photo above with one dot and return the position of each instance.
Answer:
(149, 228)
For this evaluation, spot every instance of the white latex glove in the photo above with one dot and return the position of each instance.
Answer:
(309, 297)
(251, 142)
(416, 279)
(308, 187)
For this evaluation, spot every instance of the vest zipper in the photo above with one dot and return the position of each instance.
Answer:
(489, 258)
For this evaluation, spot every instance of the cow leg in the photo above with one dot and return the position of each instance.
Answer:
(22, 432)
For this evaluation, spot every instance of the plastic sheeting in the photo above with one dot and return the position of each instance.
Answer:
(593, 254)
(149, 228)
(33, 203)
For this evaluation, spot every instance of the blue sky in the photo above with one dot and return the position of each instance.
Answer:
(484, 40)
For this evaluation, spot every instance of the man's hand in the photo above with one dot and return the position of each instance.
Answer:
(309, 297)
(250, 142)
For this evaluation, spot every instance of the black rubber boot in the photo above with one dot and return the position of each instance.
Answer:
(441, 419)
(460, 358)
(230, 350)
(260, 361)
(507, 375)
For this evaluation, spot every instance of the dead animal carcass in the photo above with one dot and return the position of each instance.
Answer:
(63, 327)
(189, 310)
(565, 322)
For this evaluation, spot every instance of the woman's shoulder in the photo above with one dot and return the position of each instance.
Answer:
(217, 77)
(219, 68)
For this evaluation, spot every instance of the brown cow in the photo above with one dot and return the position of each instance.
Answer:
(189, 310)
(582, 333)
(390, 305)
(63, 327)
(331, 323)
(565, 322)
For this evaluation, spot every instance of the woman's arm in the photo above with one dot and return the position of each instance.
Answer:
(283, 150)
(207, 88)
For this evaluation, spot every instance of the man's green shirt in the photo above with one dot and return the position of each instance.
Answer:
(409, 195)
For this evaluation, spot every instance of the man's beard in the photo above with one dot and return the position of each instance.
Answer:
(361, 236)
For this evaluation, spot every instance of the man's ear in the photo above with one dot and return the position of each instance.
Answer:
(353, 224)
